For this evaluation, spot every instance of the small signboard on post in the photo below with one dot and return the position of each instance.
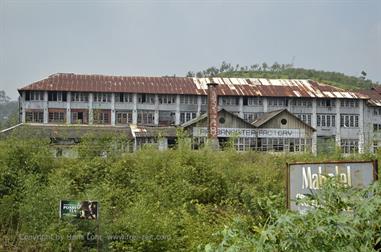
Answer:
(86, 210)
(305, 179)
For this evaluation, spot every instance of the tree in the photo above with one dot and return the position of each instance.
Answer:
(264, 66)
(254, 67)
(3, 97)
(275, 67)
(363, 75)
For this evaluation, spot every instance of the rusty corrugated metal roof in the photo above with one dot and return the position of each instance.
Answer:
(374, 94)
(191, 86)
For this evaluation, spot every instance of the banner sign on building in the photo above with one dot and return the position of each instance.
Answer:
(87, 210)
(305, 179)
(281, 133)
(225, 132)
(251, 132)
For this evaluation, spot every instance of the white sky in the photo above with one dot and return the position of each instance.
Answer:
(155, 38)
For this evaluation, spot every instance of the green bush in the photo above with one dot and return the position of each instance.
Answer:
(174, 200)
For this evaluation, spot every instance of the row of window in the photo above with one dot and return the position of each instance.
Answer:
(102, 117)
(34, 95)
(38, 117)
(262, 144)
(277, 102)
(349, 103)
(34, 117)
(187, 99)
(229, 101)
(349, 121)
(349, 146)
(305, 118)
(187, 116)
(252, 101)
(325, 120)
(102, 97)
(57, 96)
(301, 103)
(124, 97)
(328, 103)
(251, 117)
(376, 111)
(376, 127)
(57, 117)
(147, 117)
(122, 117)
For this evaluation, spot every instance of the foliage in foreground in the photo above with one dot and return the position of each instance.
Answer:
(175, 200)
(346, 220)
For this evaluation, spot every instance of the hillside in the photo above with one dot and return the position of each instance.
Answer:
(284, 71)
(8, 114)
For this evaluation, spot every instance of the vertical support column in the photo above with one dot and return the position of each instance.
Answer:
(265, 104)
(338, 127)
(177, 113)
(213, 115)
(361, 126)
(156, 121)
(314, 125)
(289, 106)
(241, 106)
(91, 112)
(46, 114)
(68, 108)
(113, 109)
(22, 105)
(199, 101)
(135, 109)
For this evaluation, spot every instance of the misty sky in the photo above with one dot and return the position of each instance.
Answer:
(155, 38)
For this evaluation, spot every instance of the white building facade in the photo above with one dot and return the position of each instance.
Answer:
(341, 118)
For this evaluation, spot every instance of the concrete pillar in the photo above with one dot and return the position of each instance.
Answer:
(22, 105)
(361, 126)
(199, 101)
(289, 106)
(134, 109)
(68, 108)
(45, 106)
(314, 125)
(241, 106)
(91, 112)
(113, 109)
(338, 127)
(265, 104)
(177, 113)
(156, 121)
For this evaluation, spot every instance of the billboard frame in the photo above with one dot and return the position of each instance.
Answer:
(374, 163)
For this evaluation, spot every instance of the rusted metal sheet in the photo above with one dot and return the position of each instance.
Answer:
(374, 94)
(191, 86)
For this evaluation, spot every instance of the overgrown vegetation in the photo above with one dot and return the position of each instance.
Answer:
(286, 71)
(8, 111)
(175, 200)
(8, 114)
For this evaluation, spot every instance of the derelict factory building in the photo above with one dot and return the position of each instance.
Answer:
(264, 115)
